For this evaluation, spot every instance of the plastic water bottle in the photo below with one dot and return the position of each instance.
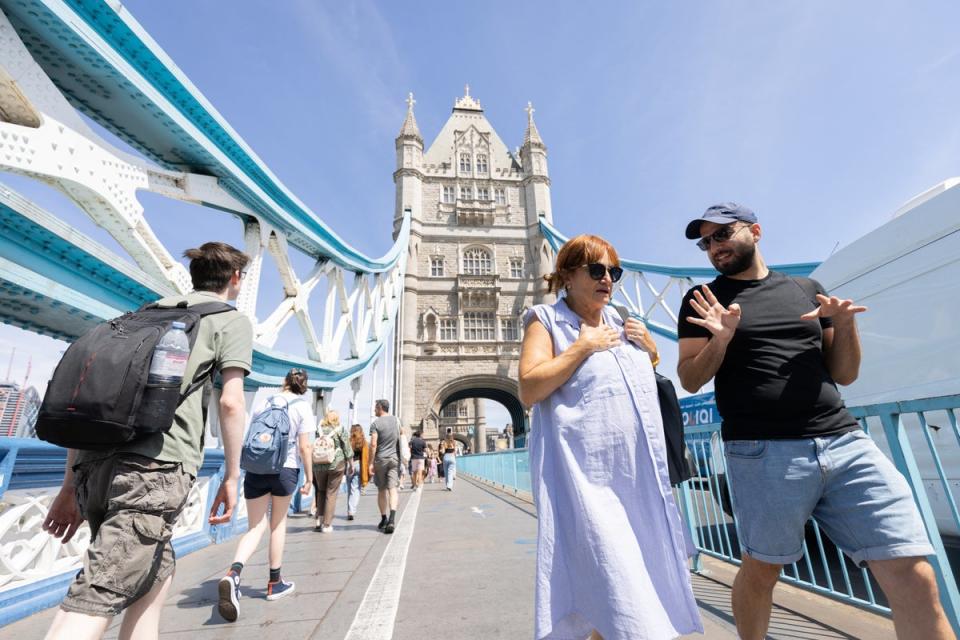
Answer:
(170, 356)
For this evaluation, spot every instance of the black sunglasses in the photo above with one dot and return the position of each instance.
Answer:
(721, 235)
(597, 270)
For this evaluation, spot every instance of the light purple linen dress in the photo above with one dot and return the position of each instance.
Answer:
(611, 553)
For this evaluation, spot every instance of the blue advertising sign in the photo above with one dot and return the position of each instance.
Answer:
(699, 410)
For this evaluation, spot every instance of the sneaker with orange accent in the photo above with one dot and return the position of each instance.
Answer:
(277, 590)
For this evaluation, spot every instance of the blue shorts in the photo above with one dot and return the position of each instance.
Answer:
(276, 484)
(856, 494)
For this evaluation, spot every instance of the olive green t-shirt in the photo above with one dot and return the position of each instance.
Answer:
(226, 339)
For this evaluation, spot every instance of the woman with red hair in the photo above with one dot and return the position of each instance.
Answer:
(611, 553)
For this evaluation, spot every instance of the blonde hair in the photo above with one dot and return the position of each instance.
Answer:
(330, 419)
(575, 253)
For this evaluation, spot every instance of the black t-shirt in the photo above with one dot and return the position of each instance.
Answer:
(418, 448)
(774, 382)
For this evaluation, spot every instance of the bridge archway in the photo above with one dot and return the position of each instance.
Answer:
(489, 387)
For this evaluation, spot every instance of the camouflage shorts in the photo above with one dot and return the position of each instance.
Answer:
(131, 503)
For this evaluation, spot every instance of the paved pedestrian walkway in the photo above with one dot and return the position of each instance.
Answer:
(459, 566)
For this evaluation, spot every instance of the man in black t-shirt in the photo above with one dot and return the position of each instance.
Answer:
(777, 346)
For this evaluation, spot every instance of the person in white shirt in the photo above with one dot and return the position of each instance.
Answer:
(273, 491)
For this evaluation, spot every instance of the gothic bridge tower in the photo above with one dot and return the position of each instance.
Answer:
(476, 263)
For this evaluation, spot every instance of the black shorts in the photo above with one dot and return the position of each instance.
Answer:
(276, 484)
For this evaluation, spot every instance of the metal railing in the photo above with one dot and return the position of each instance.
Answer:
(508, 468)
(35, 568)
(921, 437)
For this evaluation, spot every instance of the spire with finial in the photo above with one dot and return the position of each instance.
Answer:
(532, 136)
(467, 102)
(410, 128)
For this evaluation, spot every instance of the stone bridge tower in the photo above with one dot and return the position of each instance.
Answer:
(476, 263)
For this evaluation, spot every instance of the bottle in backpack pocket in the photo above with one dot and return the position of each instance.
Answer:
(167, 368)
(170, 357)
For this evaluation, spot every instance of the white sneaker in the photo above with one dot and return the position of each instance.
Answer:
(327, 528)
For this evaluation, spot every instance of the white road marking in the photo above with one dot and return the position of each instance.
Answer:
(378, 611)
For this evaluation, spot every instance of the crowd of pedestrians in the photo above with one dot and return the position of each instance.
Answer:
(612, 550)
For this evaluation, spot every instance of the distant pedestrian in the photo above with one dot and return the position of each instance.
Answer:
(418, 455)
(449, 448)
(385, 463)
(332, 459)
(431, 464)
(359, 472)
(271, 492)
(611, 552)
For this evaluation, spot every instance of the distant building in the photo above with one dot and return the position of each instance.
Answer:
(18, 410)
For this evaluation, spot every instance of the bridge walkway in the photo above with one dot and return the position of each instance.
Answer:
(461, 566)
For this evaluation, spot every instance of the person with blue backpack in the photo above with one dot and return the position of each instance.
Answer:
(277, 443)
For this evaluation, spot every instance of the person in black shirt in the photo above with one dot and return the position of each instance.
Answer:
(777, 346)
(418, 455)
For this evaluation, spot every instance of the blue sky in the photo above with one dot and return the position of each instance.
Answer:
(823, 117)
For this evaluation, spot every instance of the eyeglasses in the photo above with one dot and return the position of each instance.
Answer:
(597, 271)
(721, 235)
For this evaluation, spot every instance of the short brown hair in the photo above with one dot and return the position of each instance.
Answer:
(577, 252)
(296, 381)
(212, 265)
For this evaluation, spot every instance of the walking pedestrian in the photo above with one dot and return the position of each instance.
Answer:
(119, 485)
(385, 463)
(449, 446)
(332, 458)
(359, 472)
(418, 455)
(777, 346)
(268, 498)
(431, 464)
(611, 552)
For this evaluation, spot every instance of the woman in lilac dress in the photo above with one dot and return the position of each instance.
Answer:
(611, 553)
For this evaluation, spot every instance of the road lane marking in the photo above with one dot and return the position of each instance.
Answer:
(378, 610)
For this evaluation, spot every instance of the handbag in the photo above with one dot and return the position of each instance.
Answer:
(680, 462)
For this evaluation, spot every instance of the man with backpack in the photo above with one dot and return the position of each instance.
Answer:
(385, 463)
(777, 347)
(132, 491)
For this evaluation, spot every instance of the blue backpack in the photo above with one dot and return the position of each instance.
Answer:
(265, 447)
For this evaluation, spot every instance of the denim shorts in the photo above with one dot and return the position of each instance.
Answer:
(280, 484)
(856, 494)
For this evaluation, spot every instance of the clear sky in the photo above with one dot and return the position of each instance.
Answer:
(822, 116)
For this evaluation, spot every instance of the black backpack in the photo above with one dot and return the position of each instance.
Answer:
(99, 398)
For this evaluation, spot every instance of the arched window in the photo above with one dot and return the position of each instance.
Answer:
(477, 262)
(464, 163)
(481, 163)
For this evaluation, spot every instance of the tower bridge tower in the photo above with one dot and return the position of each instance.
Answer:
(476, 262)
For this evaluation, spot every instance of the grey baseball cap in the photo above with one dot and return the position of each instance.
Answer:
(723, 213)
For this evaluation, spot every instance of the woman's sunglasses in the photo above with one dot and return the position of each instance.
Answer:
(597, 271)
(721, 235)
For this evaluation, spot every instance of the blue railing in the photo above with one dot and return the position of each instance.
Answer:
(922, 437)
(36, 569)
(508, 469)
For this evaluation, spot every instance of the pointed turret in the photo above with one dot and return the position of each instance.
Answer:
(410, 128)
(532, 136)
(533, 153)
(409, 176)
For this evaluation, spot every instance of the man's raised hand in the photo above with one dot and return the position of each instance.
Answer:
(721, 321)
(833, 307)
